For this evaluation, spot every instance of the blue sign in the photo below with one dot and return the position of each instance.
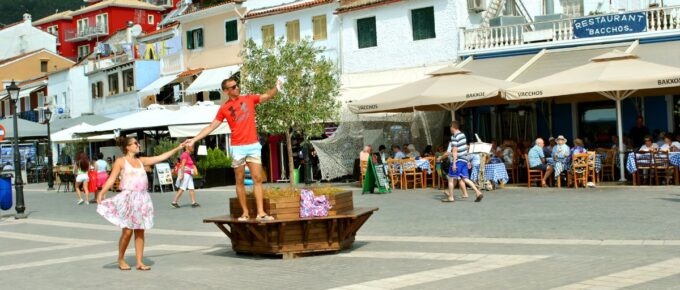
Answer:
(60, 110)
(606, 25)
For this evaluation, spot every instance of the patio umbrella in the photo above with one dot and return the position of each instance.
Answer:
(449, 88)
(615, 75)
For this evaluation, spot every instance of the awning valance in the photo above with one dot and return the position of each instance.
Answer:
(211, 79)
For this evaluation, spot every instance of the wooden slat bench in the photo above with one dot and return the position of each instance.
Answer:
(294, 236)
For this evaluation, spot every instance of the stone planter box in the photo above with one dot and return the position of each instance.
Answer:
(289, 207)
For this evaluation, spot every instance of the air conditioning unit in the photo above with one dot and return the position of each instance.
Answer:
(477, 6)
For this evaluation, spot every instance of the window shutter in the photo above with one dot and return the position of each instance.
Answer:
(268, 36)
(190, 40)
(366, 32)
(423, 23)
(199, 33)
(319, 27)
(231, 30)
(94, 91)
(293, 31)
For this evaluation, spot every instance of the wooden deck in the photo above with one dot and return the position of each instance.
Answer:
(292, 237)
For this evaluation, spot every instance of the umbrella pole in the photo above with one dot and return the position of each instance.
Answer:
(619, 125)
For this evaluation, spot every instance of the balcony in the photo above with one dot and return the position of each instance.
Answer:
(172, 64)
(86, 33)
(162, 3)
(652, 22)
(32, 116)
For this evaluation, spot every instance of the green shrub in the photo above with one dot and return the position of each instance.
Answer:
(216, 158)
(165, 145)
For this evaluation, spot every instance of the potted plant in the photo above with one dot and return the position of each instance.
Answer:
(216, 169)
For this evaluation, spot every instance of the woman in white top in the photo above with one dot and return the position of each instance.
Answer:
(649, 145)
(669, 144)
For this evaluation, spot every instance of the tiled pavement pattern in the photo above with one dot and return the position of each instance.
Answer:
(604, 238)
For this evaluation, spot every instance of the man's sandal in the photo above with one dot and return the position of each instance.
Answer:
(244, 218)
(143, 268)
(264, 218)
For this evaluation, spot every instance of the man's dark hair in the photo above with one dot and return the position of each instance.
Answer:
(455, 125)
(382, 147)
(224, 82)
(395, 146)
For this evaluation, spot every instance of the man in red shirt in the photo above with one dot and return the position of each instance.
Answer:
(239, 111)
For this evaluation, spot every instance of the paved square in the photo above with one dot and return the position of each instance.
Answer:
(517, 238)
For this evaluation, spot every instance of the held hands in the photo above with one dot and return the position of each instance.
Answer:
(187, 142)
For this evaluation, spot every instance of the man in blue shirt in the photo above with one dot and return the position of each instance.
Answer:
(397, 152)
(458, 149)
(537, 160)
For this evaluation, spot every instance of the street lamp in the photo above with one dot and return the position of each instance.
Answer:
(13, 91)
(50, 173)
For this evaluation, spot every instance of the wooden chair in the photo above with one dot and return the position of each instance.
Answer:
(432, 175)
(532, 174)
(592, 169)
(580, 169)
(363, 166)
(513, 168)
(644, 163)
(410, 171)
(393, 166)
(663, 167)
(608, 163)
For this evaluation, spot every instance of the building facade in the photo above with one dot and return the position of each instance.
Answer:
(21, 37)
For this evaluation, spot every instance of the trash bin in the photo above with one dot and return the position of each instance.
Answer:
(296, 175)
(6, 191)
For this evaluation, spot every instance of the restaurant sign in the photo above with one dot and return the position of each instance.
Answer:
(606, 25)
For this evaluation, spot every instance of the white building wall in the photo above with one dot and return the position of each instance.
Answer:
(79, 94)
(331, 44)
(23, 38)
(396, 47)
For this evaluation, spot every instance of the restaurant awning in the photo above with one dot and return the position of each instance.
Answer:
(68, 135)
(449, 89)
(211, 79)
(184, 131)
(157, 118)
(155, 87)
(27, 129)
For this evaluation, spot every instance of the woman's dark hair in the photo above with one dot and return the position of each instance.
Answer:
(100, 155)
(83, 162)
(122, 143)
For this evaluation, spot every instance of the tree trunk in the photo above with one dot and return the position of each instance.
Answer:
(289, 148)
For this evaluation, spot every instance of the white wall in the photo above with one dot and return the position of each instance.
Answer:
(396, 47)
(23, 38)
(68, 90)
(331, 44)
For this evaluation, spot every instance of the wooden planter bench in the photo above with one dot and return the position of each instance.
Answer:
(291, 237)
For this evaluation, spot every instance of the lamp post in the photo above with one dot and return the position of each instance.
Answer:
(50, 173)
(13, 91)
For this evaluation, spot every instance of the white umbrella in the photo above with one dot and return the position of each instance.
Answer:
(450, 88)
(68, 135)
(615, 76)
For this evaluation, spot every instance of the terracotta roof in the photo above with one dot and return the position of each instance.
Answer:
(118, 3)
(196, 8)
(164, 29)
(27, 82)
(190, 72)
(4, 61)
(288, 7)
(64, 15)
(353, 5)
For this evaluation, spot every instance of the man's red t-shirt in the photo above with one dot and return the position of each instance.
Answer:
(240, 114)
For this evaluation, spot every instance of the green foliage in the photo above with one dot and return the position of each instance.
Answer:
(312, 84)
(216, 158)
(165, 145)
(71, 149)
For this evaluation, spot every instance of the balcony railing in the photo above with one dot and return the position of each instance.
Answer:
(665, 19)
(173, 63)
(85, 33)
(32, 116)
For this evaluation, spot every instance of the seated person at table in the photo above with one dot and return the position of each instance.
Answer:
(578, 147)
(507, 152)
(561, 149)
(365, 154)
(537, 160)
(669, 144)
(551, 143)
(382, 151)
(649, 145)
(397, 152)
(547, 150)
(428, 151)
(615, 144)
(411, 151)
(440, 151)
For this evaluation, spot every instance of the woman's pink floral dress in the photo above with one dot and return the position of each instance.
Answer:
(132, 207)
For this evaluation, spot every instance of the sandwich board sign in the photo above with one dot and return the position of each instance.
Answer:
(375, 177)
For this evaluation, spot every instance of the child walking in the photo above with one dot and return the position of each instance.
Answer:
(131, 209)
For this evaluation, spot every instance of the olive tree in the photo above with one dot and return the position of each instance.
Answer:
(309, 95)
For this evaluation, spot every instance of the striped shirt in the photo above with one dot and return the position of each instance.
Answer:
(459, 142)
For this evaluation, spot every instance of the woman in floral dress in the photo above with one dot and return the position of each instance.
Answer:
(131, 209)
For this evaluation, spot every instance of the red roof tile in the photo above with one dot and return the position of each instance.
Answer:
(190, 72)
(164, 29)
(196, 8)
(294, 6)
(353, 5)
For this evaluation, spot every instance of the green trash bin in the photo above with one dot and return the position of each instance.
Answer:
(296, 176)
